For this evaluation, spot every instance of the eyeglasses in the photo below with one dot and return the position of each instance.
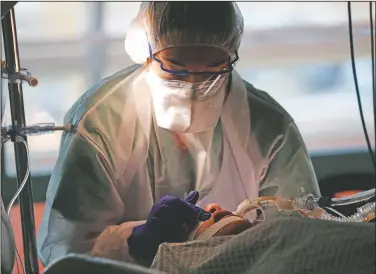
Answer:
(229, 68)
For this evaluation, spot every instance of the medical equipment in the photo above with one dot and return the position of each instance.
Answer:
(308, 206)
(213, 229)
(356, 198)
(12, 70)
(318, 242)
(23, 75)
(10, 132)
(283, 244)
(183, 107)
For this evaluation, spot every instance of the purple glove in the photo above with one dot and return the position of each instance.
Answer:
(168, 221)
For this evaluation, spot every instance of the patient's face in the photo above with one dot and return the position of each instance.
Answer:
(218, 215)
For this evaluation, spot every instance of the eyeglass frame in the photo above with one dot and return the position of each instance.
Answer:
(186, 72)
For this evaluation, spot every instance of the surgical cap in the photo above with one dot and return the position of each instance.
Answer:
(163, 25)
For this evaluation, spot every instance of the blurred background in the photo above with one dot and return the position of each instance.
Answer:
(296, 51)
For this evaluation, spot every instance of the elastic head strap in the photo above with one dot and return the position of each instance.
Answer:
(212, 230)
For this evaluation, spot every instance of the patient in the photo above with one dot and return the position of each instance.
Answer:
(221, 223)
(171, 220)
(175, 220)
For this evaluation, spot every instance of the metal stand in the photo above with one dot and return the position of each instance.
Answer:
(18, 120)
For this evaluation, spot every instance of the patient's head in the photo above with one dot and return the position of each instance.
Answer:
(221, 223)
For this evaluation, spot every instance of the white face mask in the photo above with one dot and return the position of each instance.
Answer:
(187, 107)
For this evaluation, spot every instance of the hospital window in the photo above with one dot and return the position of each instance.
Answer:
(296, 51)
(50, 21)
(118, 17)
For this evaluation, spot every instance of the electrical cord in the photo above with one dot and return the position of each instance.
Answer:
(373, 61)
(357, 86)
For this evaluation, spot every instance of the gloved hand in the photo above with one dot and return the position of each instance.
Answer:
(169, 221)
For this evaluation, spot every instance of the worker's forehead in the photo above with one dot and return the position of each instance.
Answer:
(200, 55)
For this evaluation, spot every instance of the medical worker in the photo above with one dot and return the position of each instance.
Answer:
(182, 119)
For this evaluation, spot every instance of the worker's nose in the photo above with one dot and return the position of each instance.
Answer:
(213, 208)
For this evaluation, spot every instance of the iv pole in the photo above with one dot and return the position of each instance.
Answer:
(18, 120)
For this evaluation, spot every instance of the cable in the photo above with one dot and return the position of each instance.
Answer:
(5, 110)
(356, 198)
(20, 139)
(18, 269)
(338, 213)
(372, 50)
(35, 129)
(372, 46)
(373, 61)
(357, 86)
(20, 260)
